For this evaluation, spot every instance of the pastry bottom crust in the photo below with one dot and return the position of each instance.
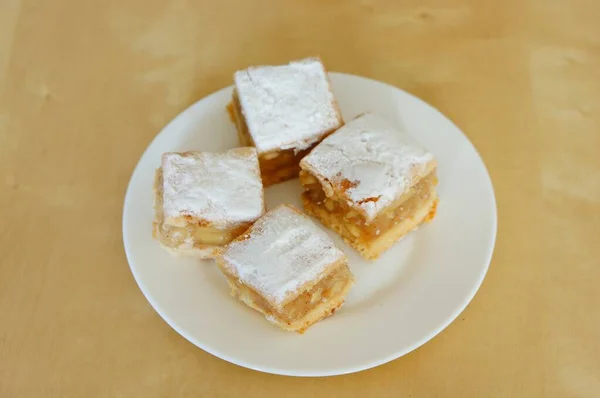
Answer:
(372, 249)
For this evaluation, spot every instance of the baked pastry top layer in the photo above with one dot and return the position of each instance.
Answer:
(369, 164)
(287, 106)
(217, 189)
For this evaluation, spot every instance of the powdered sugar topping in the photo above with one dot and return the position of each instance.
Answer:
(377, 162)
(224, 189)
(287, 106)
(284, 250)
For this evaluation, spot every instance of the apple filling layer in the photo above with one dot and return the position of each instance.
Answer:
(416, 205)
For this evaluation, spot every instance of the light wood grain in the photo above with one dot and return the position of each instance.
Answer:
(85, 86)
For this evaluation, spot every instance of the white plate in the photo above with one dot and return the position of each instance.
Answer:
(398, 303)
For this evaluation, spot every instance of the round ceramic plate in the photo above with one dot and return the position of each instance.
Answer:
(399, 302)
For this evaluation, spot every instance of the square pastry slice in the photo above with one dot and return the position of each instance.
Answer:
(287, 268)
(371, 183)
(283, 111)
(204, 200)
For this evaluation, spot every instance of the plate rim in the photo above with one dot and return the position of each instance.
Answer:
(337, 371)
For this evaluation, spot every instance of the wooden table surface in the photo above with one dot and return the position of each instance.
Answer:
(86, 85)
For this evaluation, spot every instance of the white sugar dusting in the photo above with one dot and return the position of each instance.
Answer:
(379, 160)
(222, 188)
(287, 106)
(284, 251)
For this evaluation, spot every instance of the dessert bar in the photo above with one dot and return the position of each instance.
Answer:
(371, 183)
(283, 111)
(204, 200)
(288, 269)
